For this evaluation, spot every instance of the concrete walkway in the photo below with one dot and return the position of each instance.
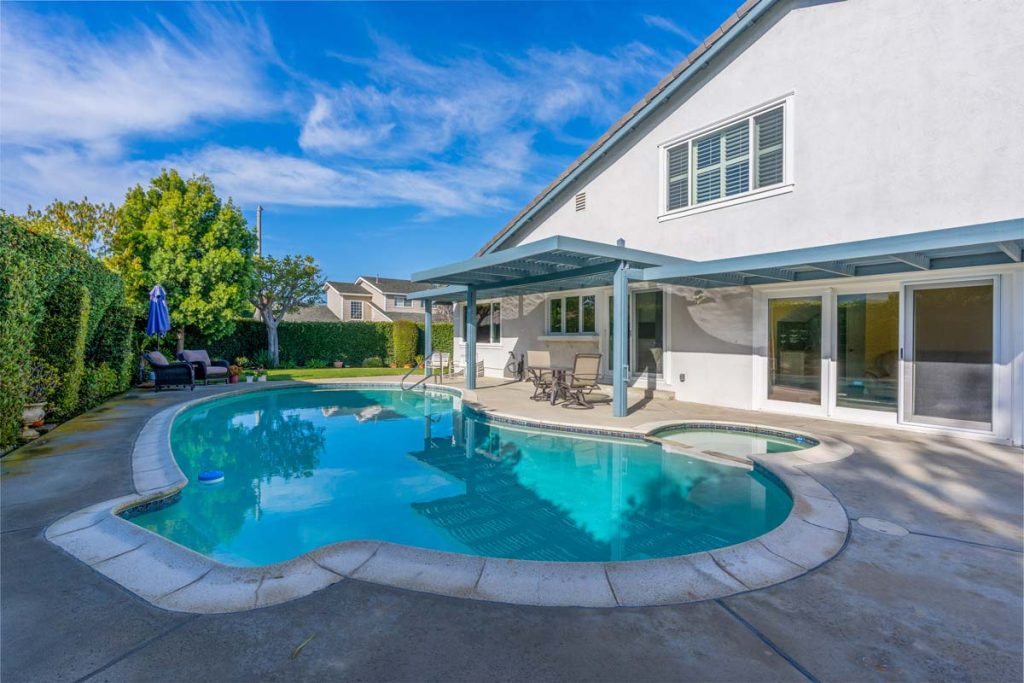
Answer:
(943, 602)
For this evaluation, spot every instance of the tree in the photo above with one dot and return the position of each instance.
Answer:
(83, 224)
(283, 286)
(179, 234)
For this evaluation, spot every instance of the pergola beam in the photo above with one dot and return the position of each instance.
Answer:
(914, 260)
(1011, 249)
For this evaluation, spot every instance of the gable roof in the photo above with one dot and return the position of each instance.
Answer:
(315, 313)
(347, 288)
(746, 15)
(391, 285)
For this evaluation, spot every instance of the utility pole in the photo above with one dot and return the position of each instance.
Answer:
(259, 231)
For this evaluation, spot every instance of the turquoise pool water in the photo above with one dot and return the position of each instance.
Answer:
(305, 467)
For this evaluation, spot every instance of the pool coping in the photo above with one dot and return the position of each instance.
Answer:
(173, 577)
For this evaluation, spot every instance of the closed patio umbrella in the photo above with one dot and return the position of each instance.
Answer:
(159, 322)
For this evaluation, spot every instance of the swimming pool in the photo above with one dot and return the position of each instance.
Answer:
(306, 467)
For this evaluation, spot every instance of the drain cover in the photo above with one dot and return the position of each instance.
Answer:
(882, 526)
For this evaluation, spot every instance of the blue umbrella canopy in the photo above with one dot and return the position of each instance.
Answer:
(159, 322)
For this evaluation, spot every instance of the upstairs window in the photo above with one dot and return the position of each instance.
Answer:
(402, 302)
(355, 310)
(743, 156)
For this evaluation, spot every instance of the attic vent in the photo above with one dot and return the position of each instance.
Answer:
(581, 201)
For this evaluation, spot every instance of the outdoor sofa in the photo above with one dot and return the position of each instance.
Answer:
(170, 374)
(206, 369)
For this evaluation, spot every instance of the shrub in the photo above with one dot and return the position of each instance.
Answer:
(99, 383)
(262, 359)
(404, 336)
(317, 363)
(373, 362)
(17, 326)
(60, 341)
(41, 379)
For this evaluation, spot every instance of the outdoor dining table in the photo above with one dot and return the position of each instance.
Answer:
(558, 387)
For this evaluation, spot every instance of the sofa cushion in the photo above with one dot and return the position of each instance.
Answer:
(196, 357)
(216, 371)
(156, 358)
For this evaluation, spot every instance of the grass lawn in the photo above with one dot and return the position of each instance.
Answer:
(331, 373)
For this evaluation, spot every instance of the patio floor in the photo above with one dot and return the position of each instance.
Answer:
(943, 602)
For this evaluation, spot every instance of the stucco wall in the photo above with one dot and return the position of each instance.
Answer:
(905, 118)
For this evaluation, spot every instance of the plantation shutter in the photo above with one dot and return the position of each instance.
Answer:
(768, 139)
(678, 177)
(723, 163)
(737, 159)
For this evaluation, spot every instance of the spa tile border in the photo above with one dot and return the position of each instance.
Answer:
(177, 578)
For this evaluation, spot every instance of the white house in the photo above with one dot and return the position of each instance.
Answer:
(822, 211)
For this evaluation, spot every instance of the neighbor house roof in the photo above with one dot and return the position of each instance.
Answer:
(316, 313)
(747, 14)
(347, 288)
(390, 285)
(395, 316)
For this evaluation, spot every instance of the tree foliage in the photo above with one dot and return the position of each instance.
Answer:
(179, 233)
(284, 285)
(84, 224)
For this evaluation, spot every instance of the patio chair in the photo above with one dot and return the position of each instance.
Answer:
(205, 369)
(170, 374)
(582, 380)
(538, 368)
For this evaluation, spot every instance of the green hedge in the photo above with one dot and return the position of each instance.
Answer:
(60, 342)
(65, 307)
(17, 327)
(404, 338)
(352, 342)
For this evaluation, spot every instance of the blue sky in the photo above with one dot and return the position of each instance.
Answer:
(379, 137)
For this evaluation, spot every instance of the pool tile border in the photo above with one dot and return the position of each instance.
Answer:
(177, 578)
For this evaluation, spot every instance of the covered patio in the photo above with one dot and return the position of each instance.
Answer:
(559, 263)
(549, 265)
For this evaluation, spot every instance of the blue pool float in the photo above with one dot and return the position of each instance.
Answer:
(211, 477)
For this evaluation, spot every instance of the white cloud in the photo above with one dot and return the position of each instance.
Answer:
(666, 24)
(448, 136)
(61, 82)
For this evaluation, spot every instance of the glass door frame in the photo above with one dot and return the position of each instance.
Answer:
(665, 303)
(865, 414)
(906, 402)
(827, 297)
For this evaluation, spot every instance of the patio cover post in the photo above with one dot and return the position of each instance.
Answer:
(428, 321)
(470, 337)
(620, 367)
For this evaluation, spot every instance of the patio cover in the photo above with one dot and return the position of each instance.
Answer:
(976, 245)
(550, 264)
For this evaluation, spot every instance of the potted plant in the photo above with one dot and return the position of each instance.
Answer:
(42, 376)
(249, 376)
(261, 375)
(340, 363)
(233, 372)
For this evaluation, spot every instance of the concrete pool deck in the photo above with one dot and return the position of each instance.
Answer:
(942, 601)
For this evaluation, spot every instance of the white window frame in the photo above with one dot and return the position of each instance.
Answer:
(788, 179)
(490, 336)
(352, 310)
(399, 301)
(562, 332)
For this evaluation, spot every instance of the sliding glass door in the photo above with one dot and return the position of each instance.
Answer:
(867, 344)
(950, 352)
(794, 349)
